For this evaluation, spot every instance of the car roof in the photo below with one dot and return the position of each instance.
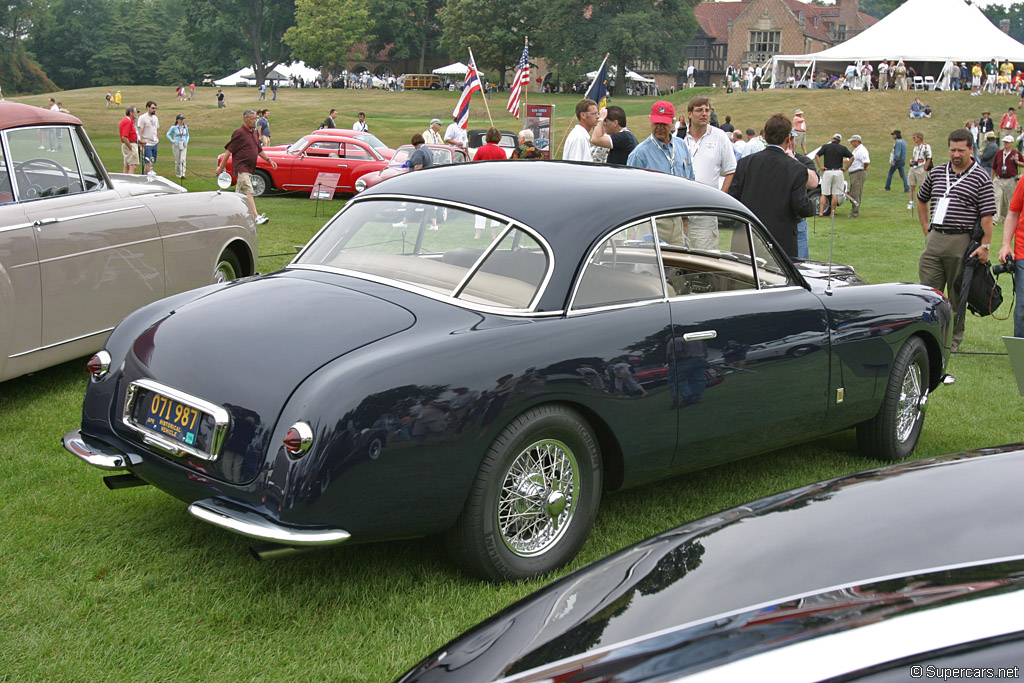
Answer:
(15, 115)
(545, 194)
(342, 132)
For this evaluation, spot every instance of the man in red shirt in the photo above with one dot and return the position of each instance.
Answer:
(129, 139)
(1013, 246)
(1008, 124)
(1006, 166)
(245, 148)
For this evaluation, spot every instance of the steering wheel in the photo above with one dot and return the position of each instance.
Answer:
(34, 190)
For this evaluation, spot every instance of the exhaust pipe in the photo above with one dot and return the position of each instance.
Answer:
(272, 551)
(124, 481)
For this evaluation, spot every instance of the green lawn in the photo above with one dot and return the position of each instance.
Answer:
(126, 586)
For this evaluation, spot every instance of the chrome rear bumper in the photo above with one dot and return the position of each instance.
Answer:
(102, 456)
(254, 525)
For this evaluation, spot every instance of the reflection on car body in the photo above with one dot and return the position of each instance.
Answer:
(80, 248)
(510, 377)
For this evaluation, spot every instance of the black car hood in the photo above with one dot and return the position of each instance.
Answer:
(893, 520)
(247, 346)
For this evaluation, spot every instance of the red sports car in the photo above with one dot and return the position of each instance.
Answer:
(300, 163)
(443, 154)
(369, 138)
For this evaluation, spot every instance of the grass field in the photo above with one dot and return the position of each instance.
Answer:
(126, 586)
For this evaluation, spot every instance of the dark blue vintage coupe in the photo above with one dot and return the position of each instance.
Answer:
(481, 351)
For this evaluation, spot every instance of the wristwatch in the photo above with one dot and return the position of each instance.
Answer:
(986, 246)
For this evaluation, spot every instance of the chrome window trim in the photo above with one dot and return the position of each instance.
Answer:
(614, 307)
(430, 294)
(590, 255)
(221, 417)
(1011, 616)
(61, 343)
(510, 223)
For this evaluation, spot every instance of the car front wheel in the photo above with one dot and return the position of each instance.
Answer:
(227, 268)
(534, 498)
(892, 434)
(260, 183)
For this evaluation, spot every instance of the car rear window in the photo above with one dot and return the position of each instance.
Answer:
(474, 258)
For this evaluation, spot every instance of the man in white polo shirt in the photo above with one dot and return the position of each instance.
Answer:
(714, 163)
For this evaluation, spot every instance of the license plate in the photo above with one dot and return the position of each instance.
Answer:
(174, 421)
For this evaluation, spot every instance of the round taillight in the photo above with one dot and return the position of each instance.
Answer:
(298, 438)
(99, 364)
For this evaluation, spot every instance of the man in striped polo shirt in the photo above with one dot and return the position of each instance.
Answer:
(954, 197)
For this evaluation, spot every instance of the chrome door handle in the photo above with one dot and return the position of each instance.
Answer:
(700, 336)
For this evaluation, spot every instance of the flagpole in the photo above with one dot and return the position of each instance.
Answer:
(572, 120)
(526, 86)
(483, 90)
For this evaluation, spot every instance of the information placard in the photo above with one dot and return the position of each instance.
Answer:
(538, 119)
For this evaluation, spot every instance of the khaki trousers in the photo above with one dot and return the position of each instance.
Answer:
(942, 261)
(857, 179)
(1003, 188)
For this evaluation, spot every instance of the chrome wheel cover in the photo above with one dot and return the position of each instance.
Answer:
(912, 400)
(259, 185)
(537, 499)
(225, 272)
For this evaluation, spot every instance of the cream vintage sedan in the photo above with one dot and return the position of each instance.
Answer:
(81, 248)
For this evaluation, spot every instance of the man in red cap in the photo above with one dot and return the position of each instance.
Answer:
(663, 151)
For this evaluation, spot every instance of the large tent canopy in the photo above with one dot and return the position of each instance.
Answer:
(926, 34)
(456, 69)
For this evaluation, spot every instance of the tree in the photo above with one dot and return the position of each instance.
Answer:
(18, 72)
(405, 29)
(66, 36)
(326, 30)
(253, 28)
(576, 34)
(879, 9)
(494, 31)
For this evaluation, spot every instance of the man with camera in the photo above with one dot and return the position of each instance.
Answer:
(953, 198)
(1011, 256)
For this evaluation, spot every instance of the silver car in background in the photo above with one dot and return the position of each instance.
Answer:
(81, 248)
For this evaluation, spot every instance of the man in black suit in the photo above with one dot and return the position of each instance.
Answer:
(773, 185)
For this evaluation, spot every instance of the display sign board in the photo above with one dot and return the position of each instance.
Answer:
(538, 119)
(325, 185)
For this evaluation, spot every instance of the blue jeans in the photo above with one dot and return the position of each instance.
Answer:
(1018, 309)
(903, 175)
(801, 239)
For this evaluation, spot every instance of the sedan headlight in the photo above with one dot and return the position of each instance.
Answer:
(360, 185)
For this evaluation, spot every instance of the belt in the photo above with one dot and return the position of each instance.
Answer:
(948, 231)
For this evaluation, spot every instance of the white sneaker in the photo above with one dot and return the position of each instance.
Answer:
(433, 227)
(261, 219)
(399, 224)
(910, 205)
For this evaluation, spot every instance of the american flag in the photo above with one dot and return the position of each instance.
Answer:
(522, 78)
(461, 113)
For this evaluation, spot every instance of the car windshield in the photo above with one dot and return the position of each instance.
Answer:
(299, 146)
(401, 156)
(458, 253)
(371, 140)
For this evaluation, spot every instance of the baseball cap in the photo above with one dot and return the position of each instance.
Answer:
(437, 121)
(663, 112)
(854, 138)
(1008, 138)
(837, 136)
(179, 116)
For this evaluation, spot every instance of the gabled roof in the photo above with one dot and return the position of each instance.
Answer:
(714, 18)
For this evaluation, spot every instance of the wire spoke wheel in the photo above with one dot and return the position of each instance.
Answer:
(910, 403)
(537, 498)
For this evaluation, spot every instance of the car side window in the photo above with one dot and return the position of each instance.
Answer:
(6, 192)
(770, 271)
(622, 269)
(354, 151)
(44, 163)
(705, 254)
(516, 266)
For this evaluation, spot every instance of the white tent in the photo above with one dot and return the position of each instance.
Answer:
(284, 71)
(456, 69)
(927, 34)
(630, 75)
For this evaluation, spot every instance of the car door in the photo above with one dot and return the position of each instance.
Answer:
(358, 160)
(748, 352)
(619, 317)
(320, 156)
(20, 309)
(100, 255)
